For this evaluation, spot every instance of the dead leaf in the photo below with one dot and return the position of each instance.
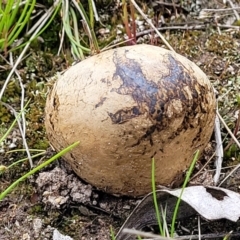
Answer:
(211, 203)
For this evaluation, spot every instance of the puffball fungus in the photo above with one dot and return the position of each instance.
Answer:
(127, 106)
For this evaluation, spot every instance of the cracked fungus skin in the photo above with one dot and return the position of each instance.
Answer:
(126, 106)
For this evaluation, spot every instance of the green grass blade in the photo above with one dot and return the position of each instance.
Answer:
(25, 159)
(92, 32)
(5, 14)
(155, 199)
(12, 16)
(183, 187)
(8, 131)
(4, 19)
(67, 28)
(13, 185)
(112, 235)
(78, 50)
(57, 8)
(12, 125)
(23, 20)
(91, 15)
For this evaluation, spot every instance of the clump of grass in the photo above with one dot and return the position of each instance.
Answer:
(79, 47)
(187, 178)
(160, 224)
(14, 16)
(34, 170)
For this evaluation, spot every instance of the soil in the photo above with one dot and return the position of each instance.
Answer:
(57, 204)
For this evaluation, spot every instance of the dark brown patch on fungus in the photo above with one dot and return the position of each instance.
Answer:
(147, 93)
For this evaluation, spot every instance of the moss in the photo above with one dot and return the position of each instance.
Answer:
(36, 209)
(5, 116)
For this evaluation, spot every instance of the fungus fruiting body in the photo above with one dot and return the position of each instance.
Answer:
(127, 106)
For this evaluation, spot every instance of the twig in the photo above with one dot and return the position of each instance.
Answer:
(199, 172)
(237, 143)
(208, 236)
(228, 26)
(229, 175)
(228, 130)
(199, 227)
(233, 8)
(115, 44)
(95, 11)
(11, 63)
(168, 4)
(151, 24)
(220, 10)
(217, 25)
(219, 150)
(196, 27)
(187, 237)
(61, 41)
(21, 131)
(145, 234)
(235, 132)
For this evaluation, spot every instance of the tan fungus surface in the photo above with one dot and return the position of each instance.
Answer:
(126, 106)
